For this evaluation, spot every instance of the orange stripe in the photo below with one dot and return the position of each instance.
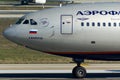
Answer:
(84, 53)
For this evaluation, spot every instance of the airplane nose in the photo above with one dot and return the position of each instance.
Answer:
(9, 33)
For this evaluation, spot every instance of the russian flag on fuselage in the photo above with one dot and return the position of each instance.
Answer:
(33, 31)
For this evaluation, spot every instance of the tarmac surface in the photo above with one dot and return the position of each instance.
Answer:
(57, 72)
(18, 13)
(14, 13)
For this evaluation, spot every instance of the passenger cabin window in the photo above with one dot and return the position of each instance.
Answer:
(109, 24)
(114, 24)
(93, 24)
(104, 24)
(26, 22)
(82, 24)
(32, 22)
(119, 24)
(87, 24)
(98, 24)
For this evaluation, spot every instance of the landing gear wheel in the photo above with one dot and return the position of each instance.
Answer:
(79, 72)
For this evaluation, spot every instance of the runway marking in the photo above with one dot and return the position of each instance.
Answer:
(53, 71)
(14, 13)
(11, 15)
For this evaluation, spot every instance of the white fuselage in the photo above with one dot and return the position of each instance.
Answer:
(76, 29)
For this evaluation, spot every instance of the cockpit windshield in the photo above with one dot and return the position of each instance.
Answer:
(20, 21)
(26, 21)
(33, 22)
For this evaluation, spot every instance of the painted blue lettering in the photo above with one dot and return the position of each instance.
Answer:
(95, 12)
(113, 12)
(87, 13)
(103, 12)
(79, 13)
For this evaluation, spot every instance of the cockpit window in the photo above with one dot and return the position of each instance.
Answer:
(26, 22)
(32, 22)
(20, 21)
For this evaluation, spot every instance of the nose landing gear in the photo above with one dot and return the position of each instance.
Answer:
(79, 71)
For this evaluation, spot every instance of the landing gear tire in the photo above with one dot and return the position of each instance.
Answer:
(79, 72)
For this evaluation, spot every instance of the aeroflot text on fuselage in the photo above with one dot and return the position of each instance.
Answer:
(95, 12)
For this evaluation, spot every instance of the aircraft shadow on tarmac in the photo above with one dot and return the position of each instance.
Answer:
(60, 75)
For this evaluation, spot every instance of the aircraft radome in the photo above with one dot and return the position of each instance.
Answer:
(79, 31)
